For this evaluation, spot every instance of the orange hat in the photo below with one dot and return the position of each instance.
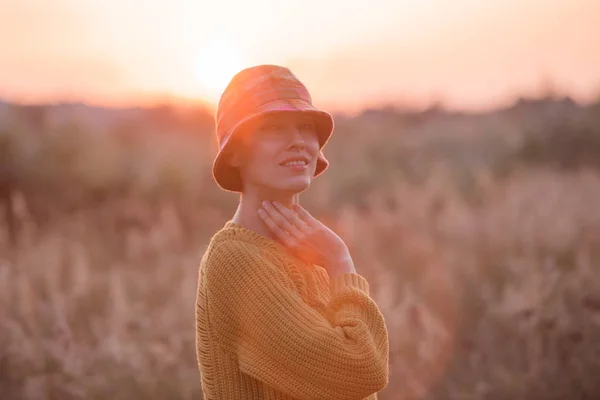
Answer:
(254, 92)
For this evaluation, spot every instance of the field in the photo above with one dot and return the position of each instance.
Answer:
(479, 235)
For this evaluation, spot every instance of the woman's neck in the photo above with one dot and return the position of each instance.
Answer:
(247, 216)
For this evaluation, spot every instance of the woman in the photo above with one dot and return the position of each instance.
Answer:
(281, 312)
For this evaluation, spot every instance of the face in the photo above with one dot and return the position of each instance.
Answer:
(278, 153)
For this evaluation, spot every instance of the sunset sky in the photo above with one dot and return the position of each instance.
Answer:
(469, 53)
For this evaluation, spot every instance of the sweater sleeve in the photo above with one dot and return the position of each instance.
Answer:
(281, 341)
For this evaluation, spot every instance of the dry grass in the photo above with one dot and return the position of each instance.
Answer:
(501, 301)
(489, 283)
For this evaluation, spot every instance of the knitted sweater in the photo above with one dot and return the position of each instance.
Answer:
(269, 326)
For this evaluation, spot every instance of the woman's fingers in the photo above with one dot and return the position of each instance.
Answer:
(292, 217)
(303, 214)
(274, 226)
(280, 219)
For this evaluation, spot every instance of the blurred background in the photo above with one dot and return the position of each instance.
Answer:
(465, 178)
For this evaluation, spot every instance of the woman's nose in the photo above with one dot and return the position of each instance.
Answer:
(296, 138)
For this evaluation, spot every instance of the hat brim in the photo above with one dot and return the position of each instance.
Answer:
(228, 178)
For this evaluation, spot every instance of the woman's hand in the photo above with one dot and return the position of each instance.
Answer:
(307, 238)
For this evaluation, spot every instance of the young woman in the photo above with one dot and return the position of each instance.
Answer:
(281, 312)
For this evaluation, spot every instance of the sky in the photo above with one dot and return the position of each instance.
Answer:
(351, 54)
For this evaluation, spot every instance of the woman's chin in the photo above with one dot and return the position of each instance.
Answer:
(296, 185)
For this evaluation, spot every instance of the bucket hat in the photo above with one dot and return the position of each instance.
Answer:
(255, 92)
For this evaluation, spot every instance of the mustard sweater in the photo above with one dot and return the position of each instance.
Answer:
(269, 326)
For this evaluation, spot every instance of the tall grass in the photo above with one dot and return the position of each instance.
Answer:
(482, 253)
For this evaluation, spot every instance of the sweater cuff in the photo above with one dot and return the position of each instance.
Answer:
(348, 280)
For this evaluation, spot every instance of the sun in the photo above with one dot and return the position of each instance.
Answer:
(216, 63)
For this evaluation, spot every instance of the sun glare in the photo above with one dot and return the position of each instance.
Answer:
(216, 63)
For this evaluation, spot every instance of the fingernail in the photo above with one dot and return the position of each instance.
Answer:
(261, 211)
(265, 203)
(275, 203)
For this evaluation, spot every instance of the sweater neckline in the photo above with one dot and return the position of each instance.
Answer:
(233, 230)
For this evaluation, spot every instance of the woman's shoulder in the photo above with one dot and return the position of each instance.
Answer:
(235, 234)
(234, 248)
(235, 252)
(232, 266)
(234, 238)
(226, 250)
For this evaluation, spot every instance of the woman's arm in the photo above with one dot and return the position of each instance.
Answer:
(281, 341)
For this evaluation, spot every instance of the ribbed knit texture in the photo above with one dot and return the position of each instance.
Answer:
(269, 326)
